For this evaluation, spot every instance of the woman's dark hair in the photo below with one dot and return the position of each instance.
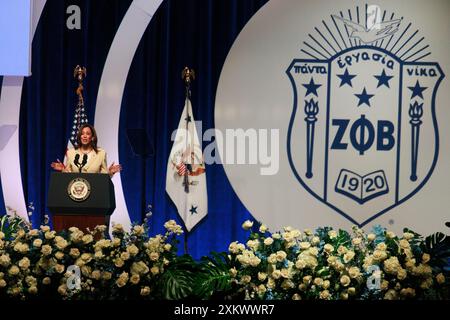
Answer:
(94, 136)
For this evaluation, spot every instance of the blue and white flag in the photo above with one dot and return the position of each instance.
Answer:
(186, 172)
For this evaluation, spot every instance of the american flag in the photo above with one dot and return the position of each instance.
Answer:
(181, 168)
(79, 119)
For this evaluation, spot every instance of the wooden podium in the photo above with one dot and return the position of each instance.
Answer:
(82, 200)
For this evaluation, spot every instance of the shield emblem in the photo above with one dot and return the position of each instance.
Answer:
(363, 134)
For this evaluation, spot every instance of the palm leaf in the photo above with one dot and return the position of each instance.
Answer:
(438, 246)
(177, 280)
(213, 277)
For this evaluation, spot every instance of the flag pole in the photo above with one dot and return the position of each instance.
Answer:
(188, 75)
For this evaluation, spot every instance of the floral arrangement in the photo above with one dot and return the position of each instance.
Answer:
(77, 265)
(325, 264)
(334, 264)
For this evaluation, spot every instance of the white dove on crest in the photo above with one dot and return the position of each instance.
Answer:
(376, 32)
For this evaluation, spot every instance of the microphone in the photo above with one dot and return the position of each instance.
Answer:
(77, 159)
(83, 163)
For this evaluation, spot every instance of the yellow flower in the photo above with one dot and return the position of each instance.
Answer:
(426, 284)
(351, 291)
(379, 255)
(404, 244)
(118, 228)
(21, 247)
(135, 279)
(328, 248)
(392, 265)
(391, 295)
(342, 250)
(5, 260)
(173, 227)
(300, 264)
(281, 255)
(60, 242)
(325, 294)
(45, 228)
(262, 276)
(356, 241)
(233, 272)
(122, 280)
(253, 244)
(345, 280)
(287, 284)
(381, 246)
(125, 255)
(145, 291)
(247, 225)
(371, 237)
(154, 270)
(326, 284)
(307, 279)
(49, 235)
(14, 270)
(384, 285)
(154, 256)
(32, 233)
(276, 236)
(74, 253)
(46, 250)
(87, 238)
(2, 283)
(268, 241)
(296, 296)
(349, 256)
(408, 292)
(390, 235)
(139, 268)
(440, 278)
(401, 274)
(107, 275)
(276, 274)
(263, 228)
(408, 235)
(304, 245)
(332, 234)
(315, 240)
(32, 290)
(167, 246)
(425, 258)
(285, 273)
(308, 232)
(2, 235)
(96, 274)
(235, 247)
(271, 284)
(318, 282)
(24, 263)
(344, 296)
(246, 279)
(46, 281)
(119, 263)
(138, 230)
(86, 257)
(302, 287)
(59, 255)
(354, 272)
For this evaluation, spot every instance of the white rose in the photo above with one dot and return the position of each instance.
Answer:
(345, 280)
(247, 225)
(262, 229)
(268, 241)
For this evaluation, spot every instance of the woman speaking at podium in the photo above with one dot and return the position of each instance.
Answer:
(87, 157)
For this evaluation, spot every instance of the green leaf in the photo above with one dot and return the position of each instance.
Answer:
(213, 276)
(178, 279)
